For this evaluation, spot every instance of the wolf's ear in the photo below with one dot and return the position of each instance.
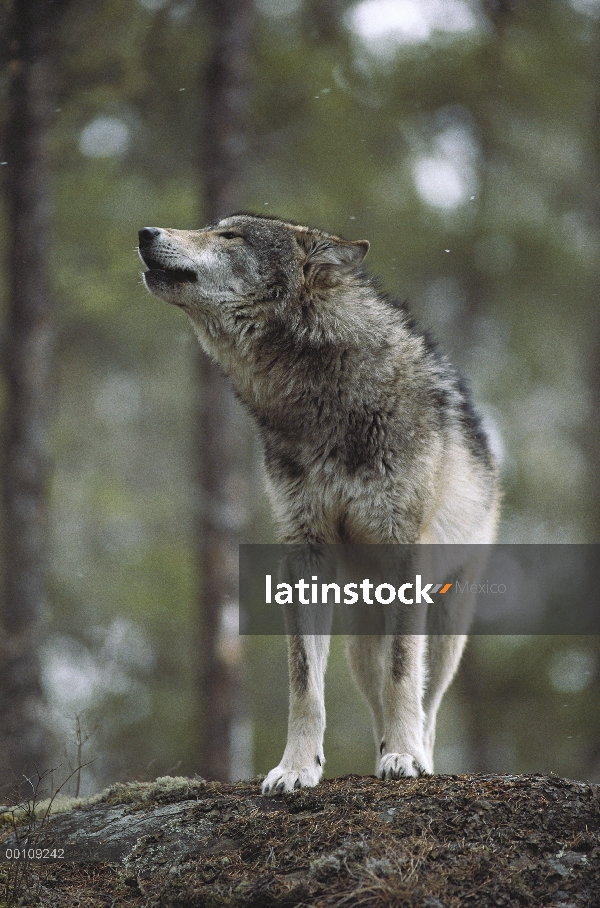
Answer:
(330, 255)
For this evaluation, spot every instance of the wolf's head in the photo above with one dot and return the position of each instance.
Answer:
(252, 284)
(242, 260)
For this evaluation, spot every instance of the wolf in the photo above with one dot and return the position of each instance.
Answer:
(369, 437)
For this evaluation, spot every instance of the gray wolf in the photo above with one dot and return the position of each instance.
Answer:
(369, 437)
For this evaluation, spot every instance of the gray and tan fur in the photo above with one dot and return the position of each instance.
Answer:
(369, 437)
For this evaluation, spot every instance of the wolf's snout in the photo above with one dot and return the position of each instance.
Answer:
(146, 235)
(163, 274)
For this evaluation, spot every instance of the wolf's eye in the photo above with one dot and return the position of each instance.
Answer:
(231, 235)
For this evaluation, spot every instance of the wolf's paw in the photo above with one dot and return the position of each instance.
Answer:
(282, 779)
(401, 766)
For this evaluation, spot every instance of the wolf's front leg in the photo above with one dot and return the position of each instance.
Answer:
(302, 762)
(403, 752)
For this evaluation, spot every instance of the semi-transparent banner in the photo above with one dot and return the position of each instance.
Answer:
(415, 589)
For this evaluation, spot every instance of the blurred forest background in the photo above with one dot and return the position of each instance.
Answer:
(462, 139)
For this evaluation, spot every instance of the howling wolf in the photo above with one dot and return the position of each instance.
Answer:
(369, 437)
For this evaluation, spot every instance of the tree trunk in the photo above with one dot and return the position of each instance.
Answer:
(222, 430)
(594, 368)
(28, 354)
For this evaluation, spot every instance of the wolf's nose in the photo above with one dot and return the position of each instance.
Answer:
(146, 235)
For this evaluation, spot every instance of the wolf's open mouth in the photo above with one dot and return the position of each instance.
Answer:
(172, 274)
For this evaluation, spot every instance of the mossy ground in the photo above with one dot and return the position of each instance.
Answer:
(438, 842)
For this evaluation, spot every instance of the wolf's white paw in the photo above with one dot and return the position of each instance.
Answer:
(283, 779)
(401, 766)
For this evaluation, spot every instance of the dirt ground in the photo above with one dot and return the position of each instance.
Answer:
(437, 842)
